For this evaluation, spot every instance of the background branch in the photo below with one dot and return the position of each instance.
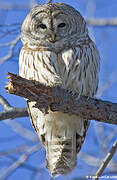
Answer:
(12, 46)
(11, 112)
(106, 161)
(5, 104)
(101, 22)
(6, 172)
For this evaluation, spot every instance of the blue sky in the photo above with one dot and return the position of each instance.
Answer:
(19, 132)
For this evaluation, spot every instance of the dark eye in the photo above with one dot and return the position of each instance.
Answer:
(42, 26)
(61, 25)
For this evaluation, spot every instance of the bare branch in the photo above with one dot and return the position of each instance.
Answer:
(9, 55)
(26, 165)
(10, 25)
(5, 172)
(5, 103)
(9, 6)
(102, 22)
(106, 161)
(16, 150)
(108, 140)
(111, 79)
(22, 131)
(13, 113)
(59, 99)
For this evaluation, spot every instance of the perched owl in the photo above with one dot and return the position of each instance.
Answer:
(58, 50)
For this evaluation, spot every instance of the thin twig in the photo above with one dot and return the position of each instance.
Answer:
(6, 44)
(106, 161)
(9, 25)
(22, 131)
(5, 104)
(101, 22)
(111, 80)
(7, 171)
(9, 6)
(9, 55)
(19, 149)
(109, 139)
(25, 165)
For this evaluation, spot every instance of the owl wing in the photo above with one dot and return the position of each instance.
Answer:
(80, 73)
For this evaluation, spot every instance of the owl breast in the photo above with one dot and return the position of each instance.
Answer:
(74, 69)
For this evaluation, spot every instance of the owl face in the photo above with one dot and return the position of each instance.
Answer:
(52, 22)
(50, 26)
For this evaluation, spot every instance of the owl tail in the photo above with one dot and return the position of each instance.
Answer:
(61, 156)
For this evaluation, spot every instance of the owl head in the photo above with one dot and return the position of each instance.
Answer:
(49, 23)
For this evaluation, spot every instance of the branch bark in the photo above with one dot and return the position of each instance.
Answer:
(58, 99)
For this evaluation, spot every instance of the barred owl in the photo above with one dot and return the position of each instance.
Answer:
(58, 50)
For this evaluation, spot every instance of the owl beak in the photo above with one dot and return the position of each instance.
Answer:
(53, 38)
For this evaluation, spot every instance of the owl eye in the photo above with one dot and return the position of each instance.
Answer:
(61, 25)
(42, 26)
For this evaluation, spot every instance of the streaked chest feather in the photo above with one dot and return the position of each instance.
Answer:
(75, 68)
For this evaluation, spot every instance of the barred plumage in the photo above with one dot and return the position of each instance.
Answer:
(72, 61)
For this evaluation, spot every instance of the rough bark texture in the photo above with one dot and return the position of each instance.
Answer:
(59, 99)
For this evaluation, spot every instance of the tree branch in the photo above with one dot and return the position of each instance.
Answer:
(102, 22)
(5, 104)
(106, 161)
(9, 55)
(7, 171)
(11, 112)
(59, 99)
